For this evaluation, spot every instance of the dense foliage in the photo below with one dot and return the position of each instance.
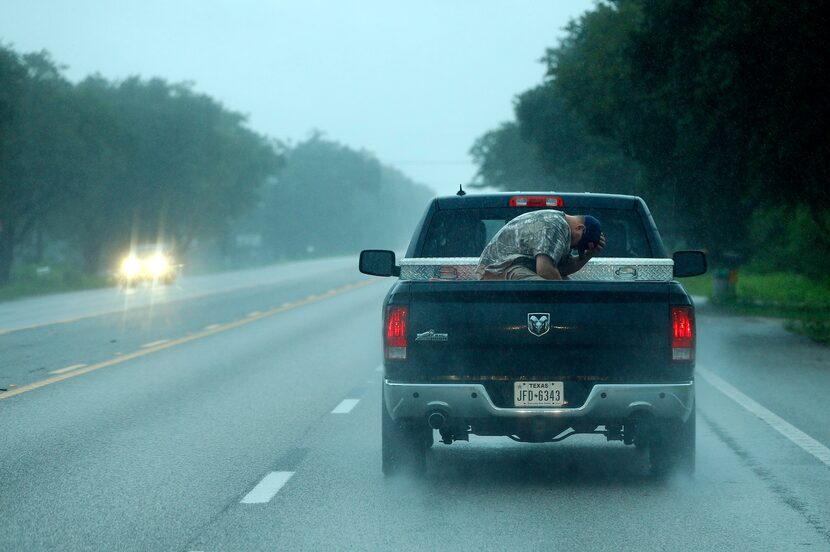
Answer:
(90, 167)
(330, 199)
(712, 110)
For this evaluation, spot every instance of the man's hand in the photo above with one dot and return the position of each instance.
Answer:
(577, 263)
(588, 254)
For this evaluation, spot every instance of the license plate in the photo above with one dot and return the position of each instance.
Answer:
(538, 393)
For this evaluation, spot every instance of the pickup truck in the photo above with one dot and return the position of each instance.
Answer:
(609, 351)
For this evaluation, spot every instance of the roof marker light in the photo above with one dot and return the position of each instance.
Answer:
(536, 201)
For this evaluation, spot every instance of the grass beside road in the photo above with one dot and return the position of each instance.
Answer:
(698, 285)
(802, 301)
(26, 281)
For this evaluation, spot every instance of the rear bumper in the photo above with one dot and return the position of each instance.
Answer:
(605, 402)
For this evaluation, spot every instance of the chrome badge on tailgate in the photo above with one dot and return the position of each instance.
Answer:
(538, 323)
(430, 335)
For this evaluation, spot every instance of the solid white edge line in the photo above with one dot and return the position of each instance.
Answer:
(345, 406)
(777, 423)
(267, 488)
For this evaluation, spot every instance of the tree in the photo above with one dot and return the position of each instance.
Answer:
(191, 165)
(331, 199)
(576, 157)
(718, 101)
(38, 146)
(99, 215)
(507, 161)
(550, 147)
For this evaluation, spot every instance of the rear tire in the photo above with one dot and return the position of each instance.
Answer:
(672, 447)
(403, 446)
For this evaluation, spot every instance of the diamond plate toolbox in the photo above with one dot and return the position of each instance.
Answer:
(610, 269)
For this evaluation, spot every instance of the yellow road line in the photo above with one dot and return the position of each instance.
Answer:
(181, 341)
(154, 344)
(67, 369)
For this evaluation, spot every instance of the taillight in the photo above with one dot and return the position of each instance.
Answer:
(536, 201)
(395, 336)
(683, 333)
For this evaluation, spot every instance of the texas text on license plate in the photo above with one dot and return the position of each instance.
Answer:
(538, 393)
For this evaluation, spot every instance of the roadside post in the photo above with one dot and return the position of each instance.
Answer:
(725, 278)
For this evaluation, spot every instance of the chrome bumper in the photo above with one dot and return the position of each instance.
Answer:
(605, 402)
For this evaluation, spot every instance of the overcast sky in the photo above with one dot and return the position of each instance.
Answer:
(413, 82)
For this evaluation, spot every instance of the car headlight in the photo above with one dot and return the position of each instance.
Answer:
(158, 265)
(130, 266)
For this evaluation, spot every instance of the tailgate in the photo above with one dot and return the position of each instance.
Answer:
(582, 332)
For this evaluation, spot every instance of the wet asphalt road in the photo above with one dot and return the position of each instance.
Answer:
(196, 399)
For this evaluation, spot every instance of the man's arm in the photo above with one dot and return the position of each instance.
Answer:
(572, 265)
(546, 269)
(577, 263)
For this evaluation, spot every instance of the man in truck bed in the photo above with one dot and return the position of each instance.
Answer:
(533, 245)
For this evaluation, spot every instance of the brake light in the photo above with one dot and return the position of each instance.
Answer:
(395, 346)
(683, 333)
(536, 201)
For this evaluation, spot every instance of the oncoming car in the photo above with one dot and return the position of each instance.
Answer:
(151, 263)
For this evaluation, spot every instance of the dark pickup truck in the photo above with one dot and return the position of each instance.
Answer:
(610, 351)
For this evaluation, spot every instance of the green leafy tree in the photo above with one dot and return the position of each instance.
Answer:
(575, 156)
(39, 148)
(331, 199)
(591, 71)
(507, 161)
(98, 216)
(191, 165)
(718, 101)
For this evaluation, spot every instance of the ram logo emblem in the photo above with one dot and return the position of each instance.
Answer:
(538, 323)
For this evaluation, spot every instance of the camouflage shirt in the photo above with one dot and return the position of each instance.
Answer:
(524, 237)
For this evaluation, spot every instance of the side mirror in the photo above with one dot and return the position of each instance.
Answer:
(378, 262)
(689, 263)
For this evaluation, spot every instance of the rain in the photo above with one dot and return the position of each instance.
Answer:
(471, 275)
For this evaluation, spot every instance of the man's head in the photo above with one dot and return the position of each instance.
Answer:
(585, 232)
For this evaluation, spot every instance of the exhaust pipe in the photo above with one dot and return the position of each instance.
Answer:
(437, 420)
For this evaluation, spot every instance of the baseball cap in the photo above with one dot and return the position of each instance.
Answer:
(590, 238)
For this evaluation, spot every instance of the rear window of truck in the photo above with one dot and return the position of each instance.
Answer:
(464, 233)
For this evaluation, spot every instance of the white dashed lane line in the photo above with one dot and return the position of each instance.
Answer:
(267, 488)
(346, 406)
(212, 327)
(379, 368)
(780, 425)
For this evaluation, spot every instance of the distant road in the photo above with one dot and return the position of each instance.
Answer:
(67, 307)
(247, 418)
